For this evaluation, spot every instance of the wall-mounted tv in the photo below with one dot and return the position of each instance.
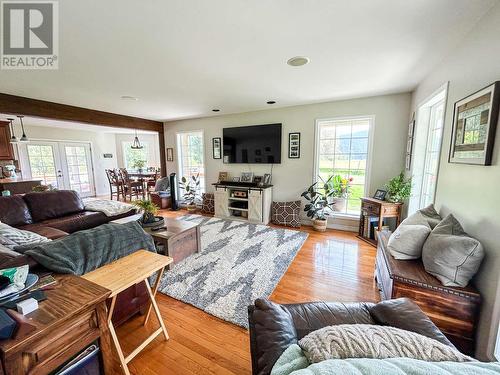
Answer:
(259, 144)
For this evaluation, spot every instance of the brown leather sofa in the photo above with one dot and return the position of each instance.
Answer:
(55, 214)
(274, 327)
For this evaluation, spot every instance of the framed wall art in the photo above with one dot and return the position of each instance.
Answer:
(216, 148)
(475, 121)
(294, 145)
(170, 154)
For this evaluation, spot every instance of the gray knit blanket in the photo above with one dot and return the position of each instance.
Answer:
(87, 250)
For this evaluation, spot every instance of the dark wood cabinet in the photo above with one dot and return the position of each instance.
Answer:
(453, 310)
(6, 151)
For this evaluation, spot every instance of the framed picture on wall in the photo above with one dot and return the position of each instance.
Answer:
(216, 148)
(475, 121)
(294, 145)
(170, 154)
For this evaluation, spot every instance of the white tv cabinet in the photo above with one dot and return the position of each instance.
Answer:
(255, 208)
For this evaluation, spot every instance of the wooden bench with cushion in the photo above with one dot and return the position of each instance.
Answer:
(454, 310)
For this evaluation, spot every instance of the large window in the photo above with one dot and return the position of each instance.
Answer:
(427, 151)
(342, 149)
(190, 156)
(131, 156)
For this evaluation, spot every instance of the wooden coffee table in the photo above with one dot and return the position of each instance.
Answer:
(180, 240)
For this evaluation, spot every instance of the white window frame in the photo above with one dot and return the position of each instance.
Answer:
(126, 145)
(423, 114)
(179, 161)
(369, 154)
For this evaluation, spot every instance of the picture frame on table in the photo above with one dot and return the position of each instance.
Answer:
(258, 180)
(217, 148)
(266, 180)
(294, 145)
(246, 177)
(223, 176)
(380, 194)
(475, 119)
(236, 179)
(170, 154)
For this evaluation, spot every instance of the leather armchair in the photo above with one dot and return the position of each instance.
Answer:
(274, 327)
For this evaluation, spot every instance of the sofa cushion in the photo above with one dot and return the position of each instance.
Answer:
(53, 204)
(425, 216)
(286, 213)
(42, 230)
(20, 237)
(450, 254)
(78, 221)
(407, 241)
(14, 211)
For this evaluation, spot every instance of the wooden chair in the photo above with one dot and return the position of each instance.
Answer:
(150, 183)
(132, 187)
(116, 183)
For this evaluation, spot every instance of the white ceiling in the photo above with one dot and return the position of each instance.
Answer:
(182, 58)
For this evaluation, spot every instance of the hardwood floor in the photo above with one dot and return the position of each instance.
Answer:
(331, 266)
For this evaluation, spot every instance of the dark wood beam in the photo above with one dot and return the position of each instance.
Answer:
(18, 105)
(163, 160)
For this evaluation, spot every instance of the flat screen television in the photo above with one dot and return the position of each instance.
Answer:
(259, 144)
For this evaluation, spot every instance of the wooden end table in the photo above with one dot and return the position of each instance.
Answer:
(122, 274)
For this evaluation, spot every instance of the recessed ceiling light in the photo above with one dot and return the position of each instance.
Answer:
(215, 110)
(271, 102)
(298, 61)
(128, 97)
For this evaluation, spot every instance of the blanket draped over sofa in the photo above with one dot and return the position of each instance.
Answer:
(86, 250)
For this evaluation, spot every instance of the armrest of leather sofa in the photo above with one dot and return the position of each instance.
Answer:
(274, 327)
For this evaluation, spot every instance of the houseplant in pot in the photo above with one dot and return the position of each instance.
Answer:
(190, 186)
(317, 197)
(149, 211)
(339, 189)
(398, 188)
(139, 165)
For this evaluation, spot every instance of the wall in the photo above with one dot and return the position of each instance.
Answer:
(471, 192)
(101, 143)
(293, 175)
(150, 139)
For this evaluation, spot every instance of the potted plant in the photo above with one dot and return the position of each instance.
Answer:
(339, 189)
(149, 211)
(190, 187)
(398, 188)
(318, 202)
(139, 164)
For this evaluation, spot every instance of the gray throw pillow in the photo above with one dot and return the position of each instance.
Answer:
(425, 216)
(407, 241)
(450, 254)
(20, 237)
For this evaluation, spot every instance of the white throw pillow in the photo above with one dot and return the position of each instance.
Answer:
(450, 254)
(407, 241)
(20, 237)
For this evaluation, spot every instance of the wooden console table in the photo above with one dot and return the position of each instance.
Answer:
(71, 318)
(122, 274)
(380, 210)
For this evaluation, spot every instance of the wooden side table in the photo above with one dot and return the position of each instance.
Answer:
(71, 318)
(380, 210)
(120, 275)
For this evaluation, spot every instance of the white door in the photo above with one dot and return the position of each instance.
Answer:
(63, 165)
(255, 206)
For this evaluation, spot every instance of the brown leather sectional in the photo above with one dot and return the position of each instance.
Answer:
(274, 327)
(55, 214)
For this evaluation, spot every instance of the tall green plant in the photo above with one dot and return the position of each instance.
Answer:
(317, 195)
(148, 209)
(191, 187)
(399, 188)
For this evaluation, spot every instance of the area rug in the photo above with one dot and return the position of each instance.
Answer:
(238, 263)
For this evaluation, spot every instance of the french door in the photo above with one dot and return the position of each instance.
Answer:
(64, 165)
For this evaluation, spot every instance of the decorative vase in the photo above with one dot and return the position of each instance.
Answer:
(339, 204)
(319, 225)
(157, 221)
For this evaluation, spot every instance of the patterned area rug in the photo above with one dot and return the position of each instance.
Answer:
(238, 263)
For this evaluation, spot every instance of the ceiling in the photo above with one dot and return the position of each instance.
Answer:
(182, 58)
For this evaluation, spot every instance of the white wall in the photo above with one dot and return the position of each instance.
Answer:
(293, 175)
(150, 139)
(470, 192)
(101, 143)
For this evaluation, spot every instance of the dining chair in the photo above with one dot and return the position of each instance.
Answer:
(131, 187)
(116, 183)
(151, 182)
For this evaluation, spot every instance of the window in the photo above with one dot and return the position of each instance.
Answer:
(342, 148)
(427, 150)
(132, 156)
(190, 156)
(42, 163)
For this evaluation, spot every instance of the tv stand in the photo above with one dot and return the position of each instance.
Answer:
(243, 201)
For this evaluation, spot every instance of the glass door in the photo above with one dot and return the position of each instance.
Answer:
(63, 165)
